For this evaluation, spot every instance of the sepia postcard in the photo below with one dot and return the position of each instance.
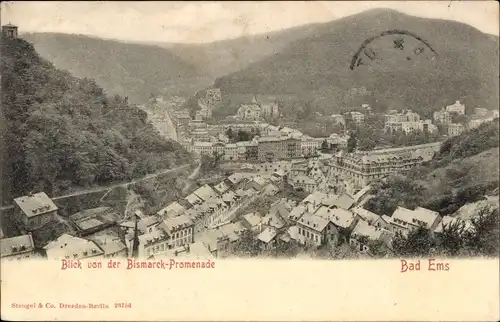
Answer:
(249, 161)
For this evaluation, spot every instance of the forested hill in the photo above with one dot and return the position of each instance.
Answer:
(59, 132)
(126, 69)
(316, 68)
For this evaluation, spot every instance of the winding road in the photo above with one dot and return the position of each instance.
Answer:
(116, 185)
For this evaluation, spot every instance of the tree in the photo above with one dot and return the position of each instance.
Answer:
(230, 134)
(452, 238)
(482, 239)
(247, 245)
(417, 243)
(351, 143)
(324, 146)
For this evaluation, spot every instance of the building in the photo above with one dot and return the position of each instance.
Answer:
(476, 122)
(362, 167)
(293, 148)
(364, 233)
(403, 220)
(269, 105)
(252, 221)
(249, 112)
(90, 221)
(267, 238)
(112, 246)
(404, 116)
(172, 210)
(271, 148)
(180, 229)
(481, 111)
(303, 183)
(17, 248)
(409, 127)
(34, 210)
(231, 152)
(72, 247)
(458, 108)
(443, 117)
(356, 117)
(310, 146)
(314, 230)
(455, 129)
(9, 31)
(153, 243)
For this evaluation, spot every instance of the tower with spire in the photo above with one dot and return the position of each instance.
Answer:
(135, 245)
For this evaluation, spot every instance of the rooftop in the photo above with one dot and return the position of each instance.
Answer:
(253, 219)
(174, 207)
(367, 215)
(344, 202)
(67, 246)
(16, 245)
(35, 204)
(342, 217)
(415, 217)
(314, 222)
(110, 244)
(365, 229)
(177, 223)
(267, 235)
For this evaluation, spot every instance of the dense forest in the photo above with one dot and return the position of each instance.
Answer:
(464, 170)
(60, 132)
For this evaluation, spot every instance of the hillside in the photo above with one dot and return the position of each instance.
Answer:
(62, 132)
(223, 57)
(317, 67)
(125, 69)
(465, 170)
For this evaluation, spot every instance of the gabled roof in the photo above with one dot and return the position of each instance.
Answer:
(177, 223)
(205, 192)
(367, 215)
(174, 207)
(253, 219)
(314, 222)
(35, 204)
(297, 212)
(419, 216)
(341, 217)
(365, 229)
(344, 202)
(73, 247)
(193, 199)
(16, 245)
(267, 235)
(221, 187)
(109, 244)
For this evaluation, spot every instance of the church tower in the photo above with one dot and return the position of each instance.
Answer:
(135, 245)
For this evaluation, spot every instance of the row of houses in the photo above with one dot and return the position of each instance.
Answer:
(268, 148)
(322, 218)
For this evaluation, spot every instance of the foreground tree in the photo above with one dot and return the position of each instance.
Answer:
(417, 243)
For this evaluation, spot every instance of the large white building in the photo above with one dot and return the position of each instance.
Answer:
(457, 107)
(443, 117)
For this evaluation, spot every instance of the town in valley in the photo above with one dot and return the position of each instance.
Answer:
(227, 172)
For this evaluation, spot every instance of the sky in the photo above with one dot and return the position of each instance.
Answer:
(207, 21)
